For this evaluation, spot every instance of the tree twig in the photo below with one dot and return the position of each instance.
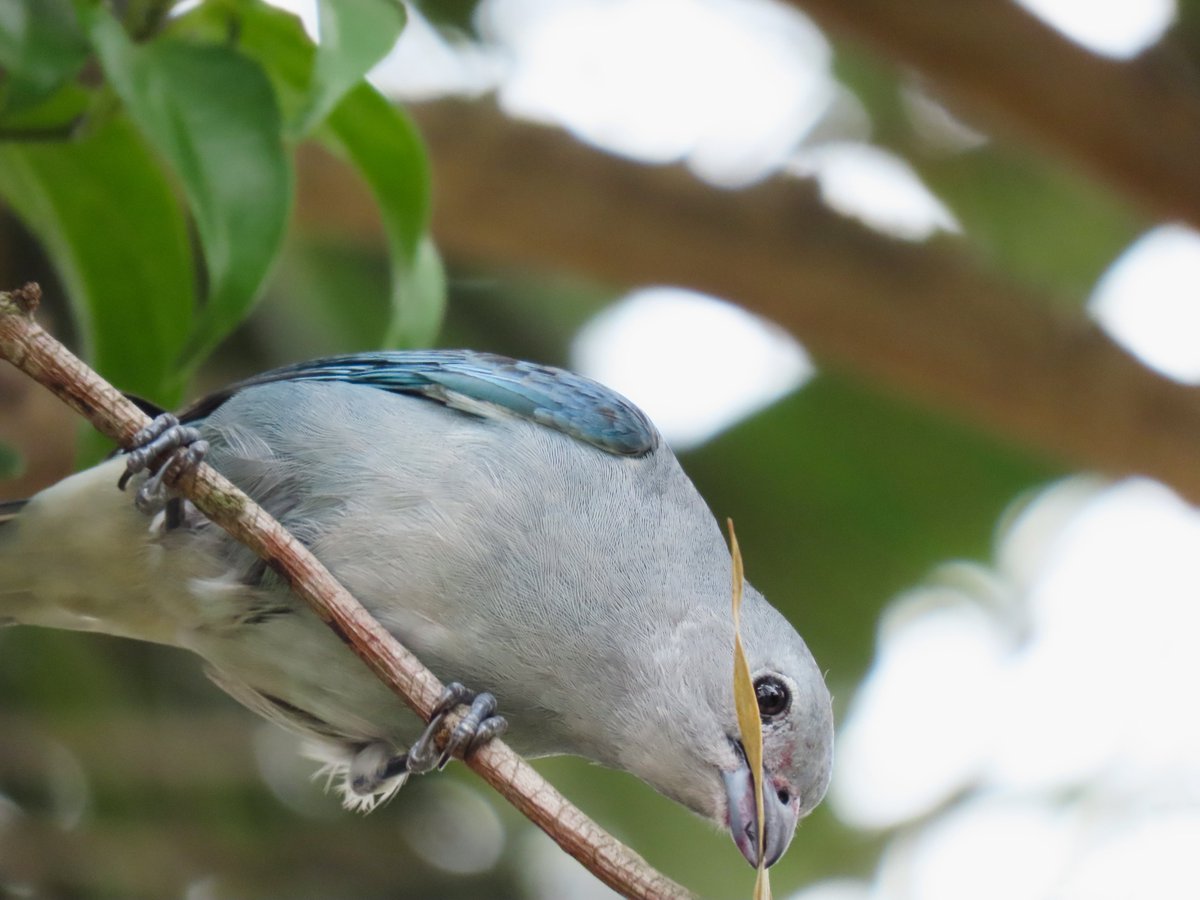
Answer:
(29, 347)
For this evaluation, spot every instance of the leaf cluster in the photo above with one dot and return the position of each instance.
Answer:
(152, 155)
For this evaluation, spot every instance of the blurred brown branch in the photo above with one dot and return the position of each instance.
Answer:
(1134, 125)
(922, 319)
(28, 346)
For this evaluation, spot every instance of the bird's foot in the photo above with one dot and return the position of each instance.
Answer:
(478, 726)
(166, 449)
(375, 770)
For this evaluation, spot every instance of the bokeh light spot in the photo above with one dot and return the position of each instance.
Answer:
(695, 364)
(1149, 301)
(1114, 28)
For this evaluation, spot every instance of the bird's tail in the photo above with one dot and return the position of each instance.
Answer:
(80, 556)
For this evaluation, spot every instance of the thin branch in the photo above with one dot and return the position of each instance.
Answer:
(29, 347)
(1132, 124)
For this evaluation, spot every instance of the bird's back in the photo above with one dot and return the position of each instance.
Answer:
(501, 551)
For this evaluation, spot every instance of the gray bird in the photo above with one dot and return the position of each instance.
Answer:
(520, 528)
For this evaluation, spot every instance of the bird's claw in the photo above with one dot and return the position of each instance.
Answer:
(477, 727)
(373, 769)
(166, 449)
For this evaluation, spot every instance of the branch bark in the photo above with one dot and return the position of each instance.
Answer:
(29, 347)
(920, 319)
(1134, 125)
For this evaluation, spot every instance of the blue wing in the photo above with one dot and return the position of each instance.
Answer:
(473, 382)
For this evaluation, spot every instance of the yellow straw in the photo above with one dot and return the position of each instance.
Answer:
(749, 723)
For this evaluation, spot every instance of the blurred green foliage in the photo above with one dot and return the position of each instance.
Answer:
(10, 462)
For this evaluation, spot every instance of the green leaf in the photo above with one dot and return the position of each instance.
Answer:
(275, 39)
(116, 235)
(418, 298)
(297, 319)
(211, 113)
(57, 116)
(384, 146)
(376, 137)
(41, 46)
(355, 34)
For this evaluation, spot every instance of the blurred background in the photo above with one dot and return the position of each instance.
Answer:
(913, 291)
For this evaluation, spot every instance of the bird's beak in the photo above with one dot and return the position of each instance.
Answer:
(779, 817)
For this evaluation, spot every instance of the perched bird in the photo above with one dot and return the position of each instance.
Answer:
(522, 529)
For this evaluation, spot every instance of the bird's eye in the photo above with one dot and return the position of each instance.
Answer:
(773, 696)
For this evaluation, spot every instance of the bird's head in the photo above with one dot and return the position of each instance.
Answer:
(690, 748)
